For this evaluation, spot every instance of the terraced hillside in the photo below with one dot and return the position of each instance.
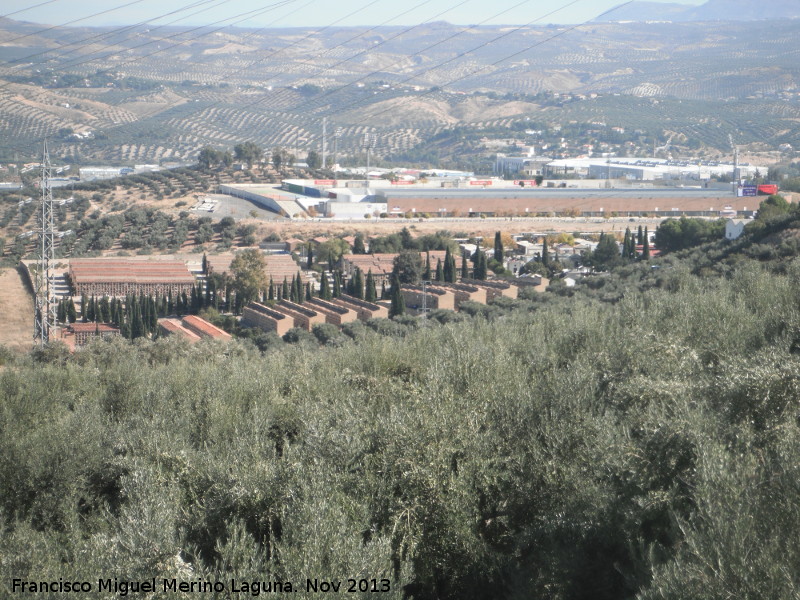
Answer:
(148, 96)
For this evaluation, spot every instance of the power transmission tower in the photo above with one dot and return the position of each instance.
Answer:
(324, 142)
(45, 304)
(336, 135)
(369, 144)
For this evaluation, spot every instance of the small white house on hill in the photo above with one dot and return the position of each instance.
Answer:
(734, 228)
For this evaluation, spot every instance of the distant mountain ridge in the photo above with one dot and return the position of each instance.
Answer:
(712, 10)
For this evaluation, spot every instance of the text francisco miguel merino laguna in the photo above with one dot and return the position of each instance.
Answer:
(251, 588)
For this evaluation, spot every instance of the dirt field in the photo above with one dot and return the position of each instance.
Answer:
(16, 312)
(457, 227)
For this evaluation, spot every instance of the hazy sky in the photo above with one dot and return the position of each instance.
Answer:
(315, 13)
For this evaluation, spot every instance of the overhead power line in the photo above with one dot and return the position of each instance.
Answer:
(51, 28)
(461, 55)
(26, 9)
(524, 50)
(115, 32)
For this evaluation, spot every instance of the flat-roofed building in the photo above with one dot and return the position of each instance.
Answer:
(120, 277)
(464, 292)
(434, 298)
(578, 201)
(85, 332)
(203, 328)
(494, 288)
(174, 327)
(365, 310)
(264, 317)
(335, 314)
(304, 317)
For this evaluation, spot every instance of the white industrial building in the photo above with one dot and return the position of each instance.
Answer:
(646, 169)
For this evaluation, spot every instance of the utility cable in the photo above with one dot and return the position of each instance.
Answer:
(22, 10)
(115, 32)
(51, 28)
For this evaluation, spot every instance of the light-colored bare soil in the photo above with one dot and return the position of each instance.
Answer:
(468, 226)
(16, 311)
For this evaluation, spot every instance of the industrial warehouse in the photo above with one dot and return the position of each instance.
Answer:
(470, 197)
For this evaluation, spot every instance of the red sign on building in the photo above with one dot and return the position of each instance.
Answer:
(324, 182)
(481, 182)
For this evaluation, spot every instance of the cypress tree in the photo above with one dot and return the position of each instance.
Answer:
(398, 306)
(464, 267)
(124, 324)
(498, 247)
(439, 271)
(545, 255)
(72, 314)
(170, 303)
(205, 264)
(115, 312)
(640, 237)
(271, 295)
(310, 258)
(105, 310)
(646, 246)
(145, 308)
(447, 269)
(299, 291)
(451, 267)
(293, 289)
(90, 314)
(61, 313)
(358, 285)
(480, 267)
(153, 324)
(371, 295)
(308, 291)
(626, 243)
(337, 285)
(193, 301)
(426, 274)
(137, 327)
(84, 308)
(384, 293)
(358, 244)
(285, 289)
(324, 287)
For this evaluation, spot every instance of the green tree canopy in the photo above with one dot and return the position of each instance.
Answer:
(679, 234)
(249, 276)
(606, 255)
(408, 266)
(313, 160)
(332, 250)
(248, 152)
(774, 205)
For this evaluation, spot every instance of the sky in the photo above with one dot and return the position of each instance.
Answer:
(313, 13)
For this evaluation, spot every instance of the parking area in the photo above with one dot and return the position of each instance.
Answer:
(219, 206)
